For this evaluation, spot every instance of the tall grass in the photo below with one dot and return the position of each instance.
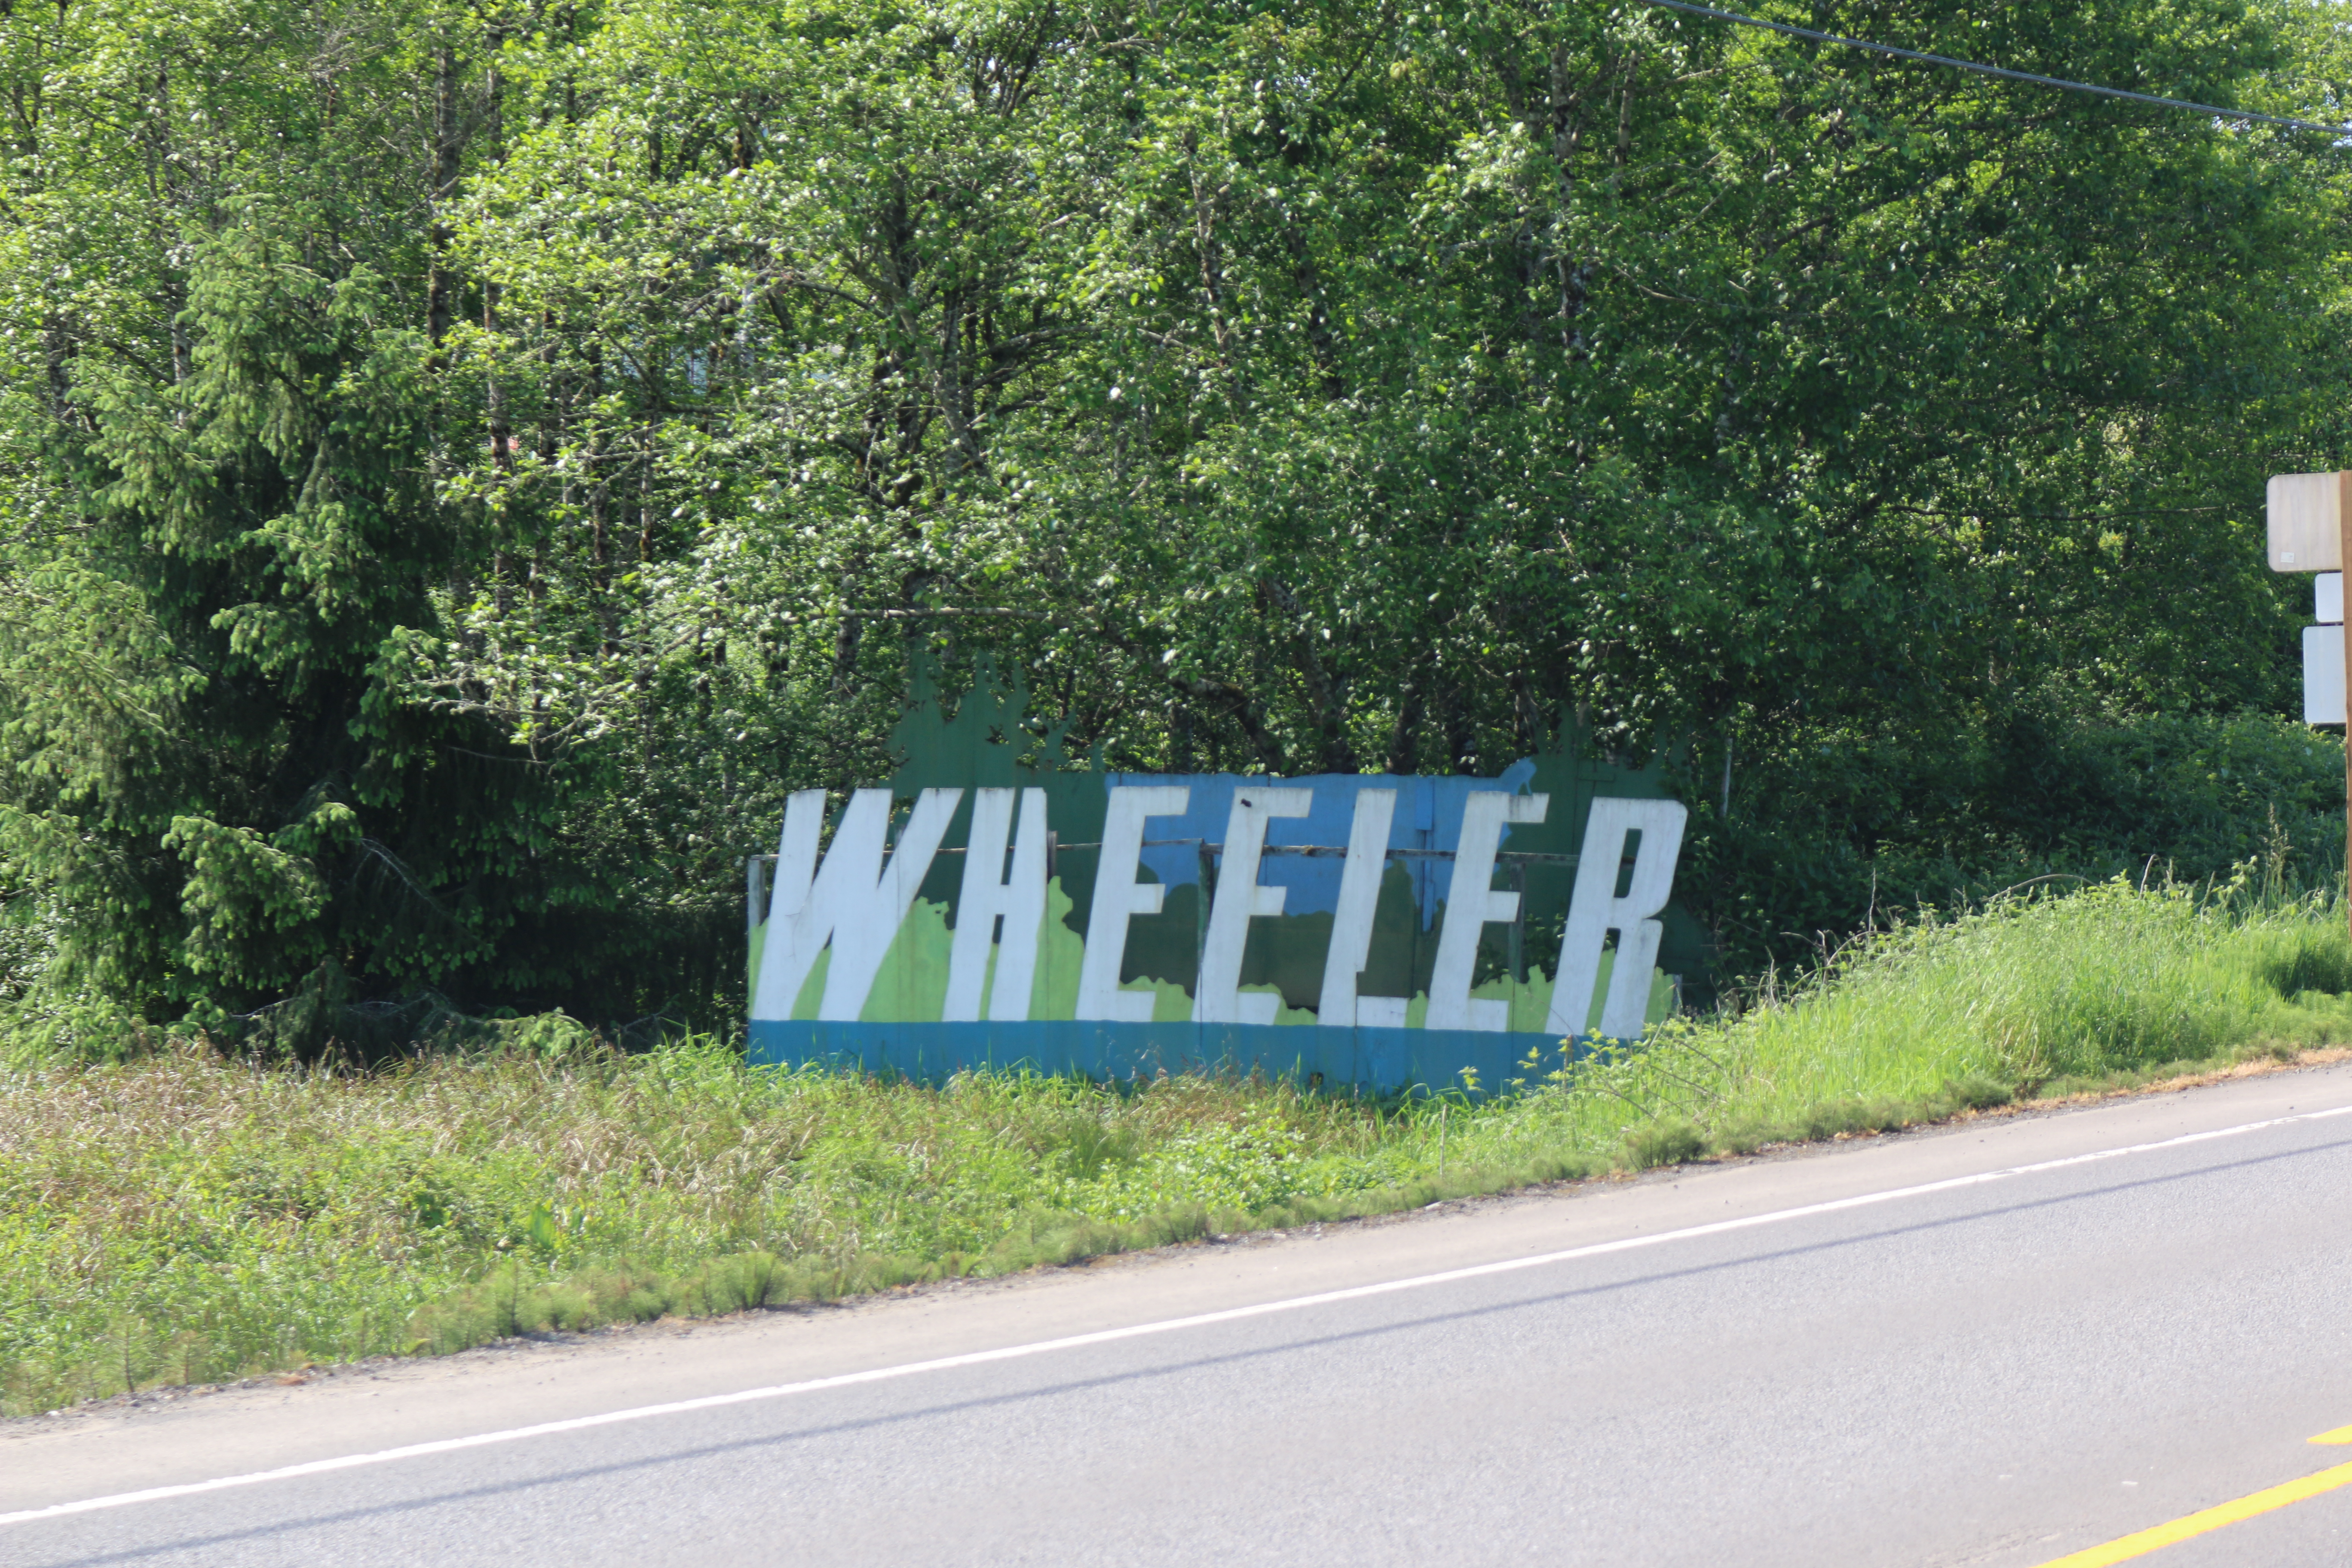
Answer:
(187, 1217)
(2016, 997)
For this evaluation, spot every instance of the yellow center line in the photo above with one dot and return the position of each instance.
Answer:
(2142, 1543)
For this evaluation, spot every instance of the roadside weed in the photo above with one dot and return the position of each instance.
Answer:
(183, 1217)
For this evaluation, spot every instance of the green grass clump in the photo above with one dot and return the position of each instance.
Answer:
(184, 1216)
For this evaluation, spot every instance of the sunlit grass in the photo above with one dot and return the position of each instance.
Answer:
(2012, 998)
(183, 1217)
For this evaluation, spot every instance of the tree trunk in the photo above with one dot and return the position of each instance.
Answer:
(439, 288)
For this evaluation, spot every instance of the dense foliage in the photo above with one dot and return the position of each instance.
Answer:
(462, 463)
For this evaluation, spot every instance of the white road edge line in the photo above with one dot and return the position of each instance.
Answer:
(1137, 1330)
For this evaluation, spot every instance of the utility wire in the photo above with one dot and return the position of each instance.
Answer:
(1807, 33)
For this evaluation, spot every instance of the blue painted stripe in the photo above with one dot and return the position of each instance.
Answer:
(1428, 817)
(1383, 1061)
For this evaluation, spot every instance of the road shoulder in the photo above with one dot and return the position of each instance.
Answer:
(171, 1439)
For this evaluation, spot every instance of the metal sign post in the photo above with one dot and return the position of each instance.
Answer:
(2309, 519)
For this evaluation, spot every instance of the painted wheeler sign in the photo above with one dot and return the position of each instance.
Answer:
(1346, 928)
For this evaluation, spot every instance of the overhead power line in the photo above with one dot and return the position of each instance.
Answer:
(2007, 75)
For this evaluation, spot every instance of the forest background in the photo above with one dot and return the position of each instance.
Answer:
(461, 464)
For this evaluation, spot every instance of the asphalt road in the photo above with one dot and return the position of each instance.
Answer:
(1997, 1371)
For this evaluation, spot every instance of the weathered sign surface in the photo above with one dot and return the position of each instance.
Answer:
(1362, 930)
(2303, 520)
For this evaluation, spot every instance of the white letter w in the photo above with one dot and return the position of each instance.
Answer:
(855, 900)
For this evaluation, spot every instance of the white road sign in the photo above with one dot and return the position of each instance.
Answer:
(2323, 653)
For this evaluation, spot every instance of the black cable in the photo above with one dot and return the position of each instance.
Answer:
(1807, 33)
